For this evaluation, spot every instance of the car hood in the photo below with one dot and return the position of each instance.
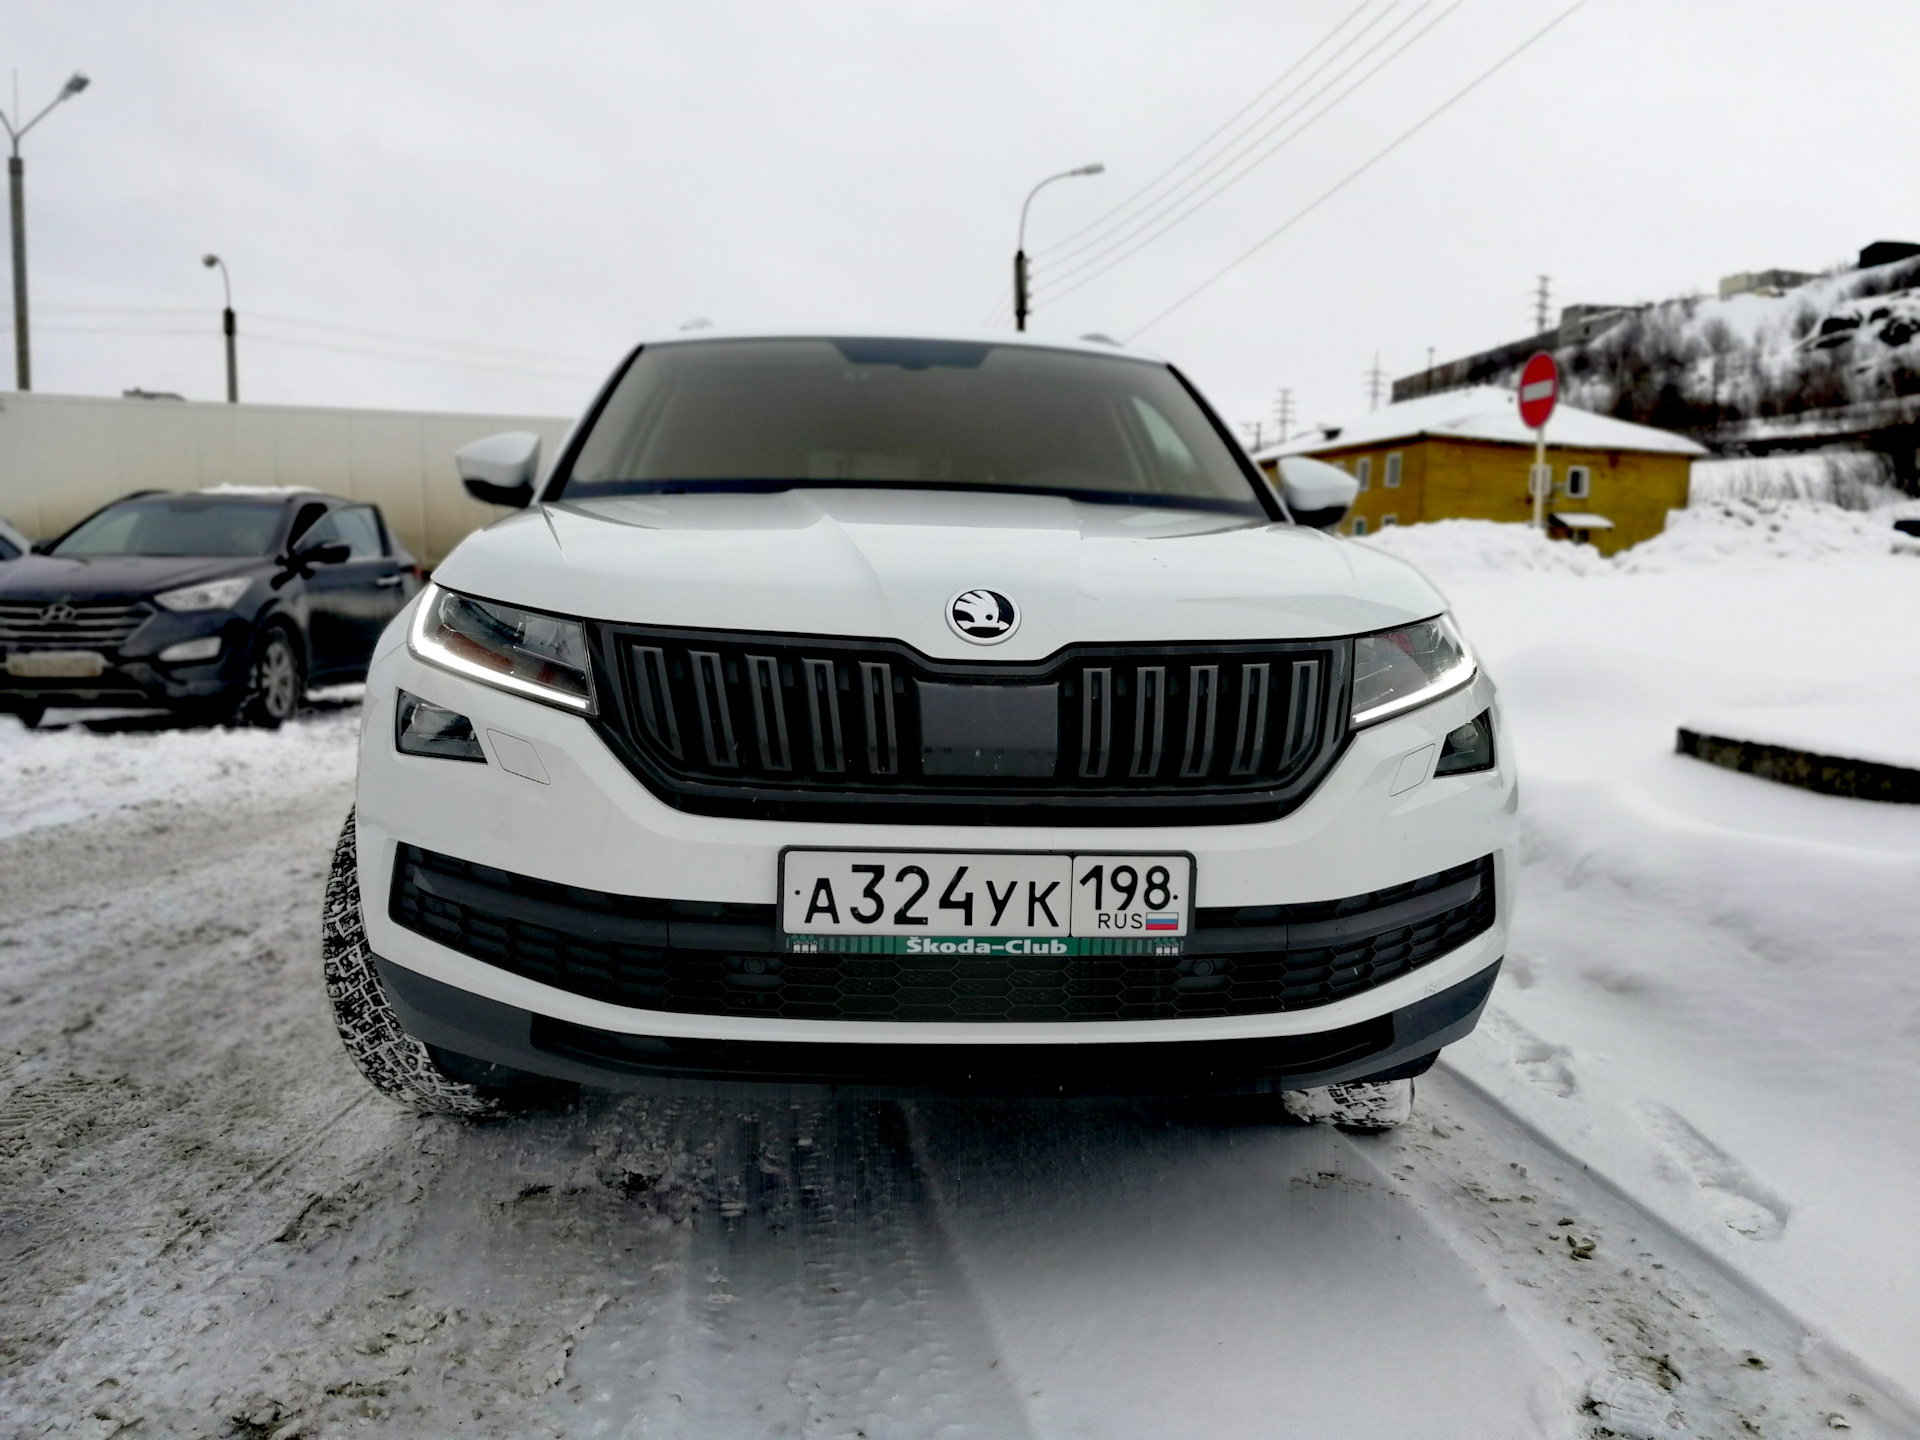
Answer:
(113, 577)
(887, 563)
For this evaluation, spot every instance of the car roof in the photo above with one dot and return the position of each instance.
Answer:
(1085, 344)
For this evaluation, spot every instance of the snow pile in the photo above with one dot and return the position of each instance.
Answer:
(1721, 533)
(1749, 530)
(57, 777)
(1451, 547)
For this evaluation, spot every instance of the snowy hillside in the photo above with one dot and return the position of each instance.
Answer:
(1851, 337)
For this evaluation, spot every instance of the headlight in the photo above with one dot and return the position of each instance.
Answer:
(540, 656)
(214, 595)
(1398, 669)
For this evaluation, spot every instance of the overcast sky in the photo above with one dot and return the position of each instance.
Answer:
(531, 189)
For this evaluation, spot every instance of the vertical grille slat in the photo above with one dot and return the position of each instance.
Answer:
(823, 715)
(769, 712)
(1250, 738)
(1149, 719)
(716, 718)
(829, 727)
(1203, 705)
(656, 697)
(1096, 722)
(1303, 706)
(876, 695)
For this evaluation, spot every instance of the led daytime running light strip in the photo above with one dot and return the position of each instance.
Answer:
(431, 650)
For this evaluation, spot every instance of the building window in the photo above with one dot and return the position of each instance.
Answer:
(1359, 524)
(1393, 471)
(1363, 470)
(1579, 482)
(1386, 520)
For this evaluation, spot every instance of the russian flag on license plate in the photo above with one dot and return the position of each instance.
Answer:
(1163, 922)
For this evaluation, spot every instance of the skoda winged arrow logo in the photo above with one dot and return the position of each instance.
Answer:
(986, 617)
(59, 614)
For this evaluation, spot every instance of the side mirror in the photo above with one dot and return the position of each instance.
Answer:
(1317, 493)
(501, 468)
(328, 552)
(301, 562)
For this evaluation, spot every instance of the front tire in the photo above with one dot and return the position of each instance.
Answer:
(276, 684)
(394, 1062)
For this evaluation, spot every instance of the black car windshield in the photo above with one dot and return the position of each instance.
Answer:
(900, 414)
(176, 525)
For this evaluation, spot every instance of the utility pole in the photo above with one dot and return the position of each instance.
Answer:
(1021, 304)
(1376, 383)
(1541, 308)
(17, 193)
(227, 324)
(1283, 414)
(1256, 434)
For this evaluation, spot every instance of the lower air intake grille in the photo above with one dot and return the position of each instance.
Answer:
(701, 959)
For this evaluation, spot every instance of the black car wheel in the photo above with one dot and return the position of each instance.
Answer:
(278, 682)
(31, 715)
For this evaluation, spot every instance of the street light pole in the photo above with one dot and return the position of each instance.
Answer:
(226, 319)
(17, 194)
(1021, 309)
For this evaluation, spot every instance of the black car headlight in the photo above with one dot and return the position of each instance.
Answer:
(543, 657)
(1396, 670)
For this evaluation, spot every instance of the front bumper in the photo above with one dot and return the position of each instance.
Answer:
(134, 675)
(567, 811)
(471, 1025)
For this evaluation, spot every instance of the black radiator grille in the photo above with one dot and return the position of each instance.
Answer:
(706, 959)
(783, 726)
(73, 625)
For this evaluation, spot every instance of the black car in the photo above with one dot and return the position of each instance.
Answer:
(217, 604)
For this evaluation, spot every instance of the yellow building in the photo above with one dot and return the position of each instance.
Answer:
(1463, 454)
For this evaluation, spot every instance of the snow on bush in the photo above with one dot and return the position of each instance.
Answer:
(1851, 479)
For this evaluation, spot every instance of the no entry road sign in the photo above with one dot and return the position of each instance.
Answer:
(1539, 389)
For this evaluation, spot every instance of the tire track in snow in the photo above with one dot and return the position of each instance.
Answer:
(1657, 1336)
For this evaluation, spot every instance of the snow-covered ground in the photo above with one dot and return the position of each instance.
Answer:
(1713, 994)
(1663, 1191)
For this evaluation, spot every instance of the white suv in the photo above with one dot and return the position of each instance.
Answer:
(917, 715)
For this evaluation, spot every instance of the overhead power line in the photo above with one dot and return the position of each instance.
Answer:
(1250, 166)
(1362, 168)
(1227, 124)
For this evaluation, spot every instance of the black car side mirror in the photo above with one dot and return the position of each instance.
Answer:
(301, 562)
(328, 552)
(501, 468)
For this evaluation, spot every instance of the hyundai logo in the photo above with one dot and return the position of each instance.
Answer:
(59, 614)
(986, 617)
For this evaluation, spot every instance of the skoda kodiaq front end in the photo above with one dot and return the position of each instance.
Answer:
(917, 715)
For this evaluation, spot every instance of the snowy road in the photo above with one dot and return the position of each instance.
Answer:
(210, 1226)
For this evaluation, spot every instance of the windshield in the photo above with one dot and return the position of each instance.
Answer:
(784, 414)
(176, 525)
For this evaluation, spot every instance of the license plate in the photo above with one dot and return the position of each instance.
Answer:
(55, 664)
(984, 902)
